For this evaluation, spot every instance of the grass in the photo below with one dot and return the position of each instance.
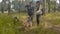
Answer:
(7, 25)
(53, 18)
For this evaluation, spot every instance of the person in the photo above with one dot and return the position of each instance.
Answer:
(38, 12)
(30, 9)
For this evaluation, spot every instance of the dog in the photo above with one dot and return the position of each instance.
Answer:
(16, 20)
(27, 23)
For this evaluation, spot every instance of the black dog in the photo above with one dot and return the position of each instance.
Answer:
(16, 20)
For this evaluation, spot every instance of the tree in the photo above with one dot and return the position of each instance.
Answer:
(44, 6)
(48, 6)
(9, 8)
(54, 6)
(19, 7)
(2, 6)
(59, 6)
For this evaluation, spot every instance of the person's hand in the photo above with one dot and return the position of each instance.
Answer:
(34, 11)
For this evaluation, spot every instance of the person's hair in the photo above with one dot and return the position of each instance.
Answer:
(38, 2)
(30, 2)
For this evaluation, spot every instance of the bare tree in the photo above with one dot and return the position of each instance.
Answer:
(59, 6)
(44, 6)
(19, 7)
(48, 6)
(54, 6)
(2, 6)
(9, 6)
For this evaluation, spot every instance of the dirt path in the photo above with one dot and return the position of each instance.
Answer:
(54, 27)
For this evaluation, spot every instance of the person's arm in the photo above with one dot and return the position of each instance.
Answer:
(26, 6)
(35, 11)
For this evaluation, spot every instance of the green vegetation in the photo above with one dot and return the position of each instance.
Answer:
(7, 25)
(53, 18)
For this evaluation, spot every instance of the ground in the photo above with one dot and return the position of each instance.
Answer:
(50, 24)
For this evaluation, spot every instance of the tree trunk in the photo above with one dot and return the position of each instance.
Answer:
(19, 7)
(44, 6)
(48, 6)
(9, 8)
(2, 6)
(59, 6)
(54, 6)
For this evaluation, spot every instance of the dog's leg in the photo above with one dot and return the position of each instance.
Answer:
(30, 24)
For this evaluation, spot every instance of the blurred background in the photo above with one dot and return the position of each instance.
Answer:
(19, 5)
(50, 23)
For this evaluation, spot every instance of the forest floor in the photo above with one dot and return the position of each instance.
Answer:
(49, 24)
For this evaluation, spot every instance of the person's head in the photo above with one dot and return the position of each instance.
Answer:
(31, 3)
(38, 3)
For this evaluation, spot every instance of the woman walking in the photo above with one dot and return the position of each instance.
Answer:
(38, 12)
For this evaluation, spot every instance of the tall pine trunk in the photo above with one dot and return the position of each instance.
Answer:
(54, 6)
(9, 8)
(2, 6)
(19, 7)
(44, 6)
(48, 6)
(59, 5)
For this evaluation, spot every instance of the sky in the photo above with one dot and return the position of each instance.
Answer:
(57, 1)
(0, 0)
